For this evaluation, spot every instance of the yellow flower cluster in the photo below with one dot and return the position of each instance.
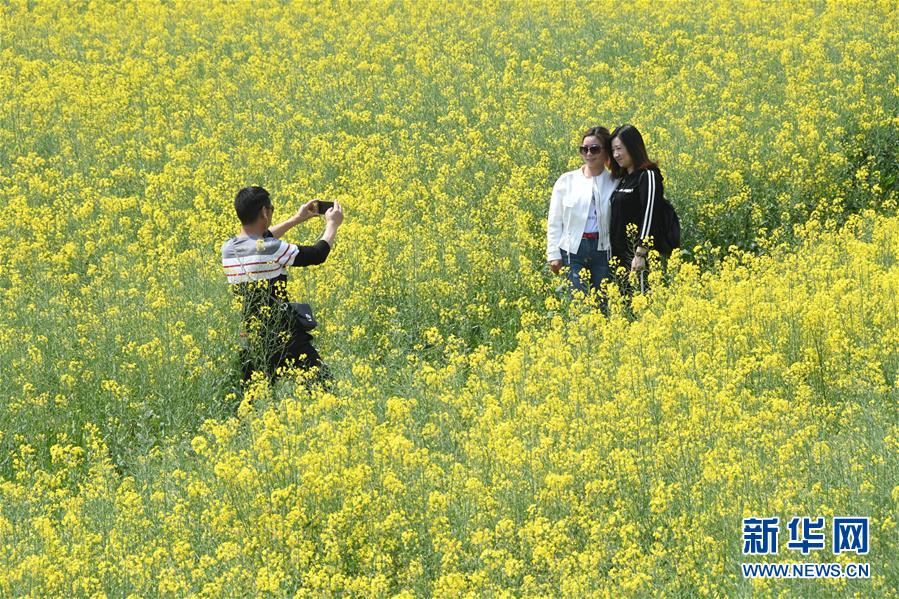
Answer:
(483, 437)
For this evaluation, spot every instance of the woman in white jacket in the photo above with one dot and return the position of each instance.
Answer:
(577, 232)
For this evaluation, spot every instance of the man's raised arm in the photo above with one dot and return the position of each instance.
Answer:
(305, 212)
(316, 254)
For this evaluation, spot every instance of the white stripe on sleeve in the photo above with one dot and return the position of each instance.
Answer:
(286, 253)
(650, 202)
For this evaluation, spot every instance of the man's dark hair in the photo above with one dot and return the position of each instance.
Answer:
(632, 140)
(249, 203)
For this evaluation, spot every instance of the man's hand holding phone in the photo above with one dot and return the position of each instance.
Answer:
(306, 212)
(332, 211)
(333, 220)
(321, 206)
(334, 214)
(311, 209)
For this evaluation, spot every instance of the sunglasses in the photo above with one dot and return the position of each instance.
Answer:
(594, 149)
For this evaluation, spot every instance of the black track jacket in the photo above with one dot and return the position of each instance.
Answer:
(633, 201)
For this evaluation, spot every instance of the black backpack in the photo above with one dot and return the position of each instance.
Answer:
(665, 228)
(666, 233)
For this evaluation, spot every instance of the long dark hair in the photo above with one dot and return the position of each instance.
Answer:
(633, 142)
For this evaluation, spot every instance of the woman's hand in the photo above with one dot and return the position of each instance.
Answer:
(639, 260)
(555, 266)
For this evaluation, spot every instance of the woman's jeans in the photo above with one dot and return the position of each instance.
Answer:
(595, 261)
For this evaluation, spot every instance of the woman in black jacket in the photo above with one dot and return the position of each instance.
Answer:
(637, 195)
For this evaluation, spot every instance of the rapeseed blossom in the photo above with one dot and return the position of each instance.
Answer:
(600, 455)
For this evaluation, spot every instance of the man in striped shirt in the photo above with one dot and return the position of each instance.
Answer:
(255, 264)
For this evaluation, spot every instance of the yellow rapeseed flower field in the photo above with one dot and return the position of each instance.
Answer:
(484, 435)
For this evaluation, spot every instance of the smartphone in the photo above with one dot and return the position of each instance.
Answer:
(322, 206)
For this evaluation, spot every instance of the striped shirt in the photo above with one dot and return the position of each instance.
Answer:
(256, 268)
(247, 259)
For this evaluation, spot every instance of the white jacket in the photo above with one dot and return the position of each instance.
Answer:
(568, 208)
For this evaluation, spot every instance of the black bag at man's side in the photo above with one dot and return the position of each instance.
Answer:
(302, 316)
